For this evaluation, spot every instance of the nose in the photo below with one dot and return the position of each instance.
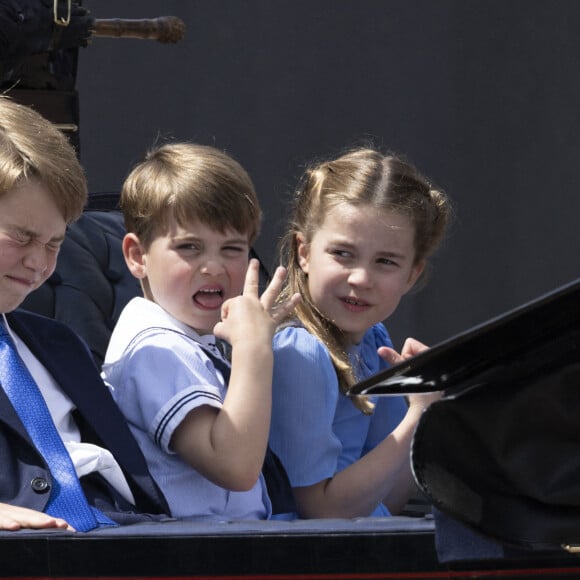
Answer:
(360, 276)
(37, 257)
(212, 266)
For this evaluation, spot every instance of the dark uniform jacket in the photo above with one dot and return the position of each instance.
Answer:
(25, 479)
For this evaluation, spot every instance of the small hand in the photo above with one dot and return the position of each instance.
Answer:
(411, 348)
(280, 311)
(245, 316)
(14, 518)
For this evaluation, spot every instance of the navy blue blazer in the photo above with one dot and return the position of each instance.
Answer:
(24, 476)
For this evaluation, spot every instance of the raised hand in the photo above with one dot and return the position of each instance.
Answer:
(253, 317)
(411, 348)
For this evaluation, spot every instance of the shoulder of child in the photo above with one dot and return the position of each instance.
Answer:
(298, 342)
(380, 335)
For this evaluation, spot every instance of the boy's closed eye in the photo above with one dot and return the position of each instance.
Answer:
(235, 250)
(24, 238)
(232, 251)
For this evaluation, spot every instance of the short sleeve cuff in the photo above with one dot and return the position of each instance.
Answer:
(174, 411)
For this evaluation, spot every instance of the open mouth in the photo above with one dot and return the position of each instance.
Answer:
(209, 299)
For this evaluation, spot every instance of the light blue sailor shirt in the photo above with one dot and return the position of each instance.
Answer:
(158, 371)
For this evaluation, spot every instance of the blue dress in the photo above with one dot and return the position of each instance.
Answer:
(316, 431)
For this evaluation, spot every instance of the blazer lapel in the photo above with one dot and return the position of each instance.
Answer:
(10, 417)
(71, 365)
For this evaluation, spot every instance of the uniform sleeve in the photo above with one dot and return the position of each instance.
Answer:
(305, 396)
(160, 380)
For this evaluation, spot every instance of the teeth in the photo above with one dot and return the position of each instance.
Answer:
(210, 291)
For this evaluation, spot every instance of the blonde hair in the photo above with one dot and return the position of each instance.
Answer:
(188, 182)
(362, 177)
(31, 147)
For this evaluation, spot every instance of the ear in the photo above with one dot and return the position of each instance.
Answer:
(134, 255)
(416, 272)
(303, 252)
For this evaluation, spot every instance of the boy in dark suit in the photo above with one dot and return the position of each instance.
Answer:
(42, 189)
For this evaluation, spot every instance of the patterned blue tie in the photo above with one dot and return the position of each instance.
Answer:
(67, 499)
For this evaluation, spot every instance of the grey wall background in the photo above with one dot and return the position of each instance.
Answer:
(483, 95)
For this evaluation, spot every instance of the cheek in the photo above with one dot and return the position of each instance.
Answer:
(9, 257)
(319, 286)
(394, 289)
(238, 275)
(51, 260)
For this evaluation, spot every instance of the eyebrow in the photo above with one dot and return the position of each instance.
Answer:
(34, 235)
(381, 254)
(392, 255)
(237, 241)
(191, 237)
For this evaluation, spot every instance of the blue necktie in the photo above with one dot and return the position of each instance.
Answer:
(67, 499)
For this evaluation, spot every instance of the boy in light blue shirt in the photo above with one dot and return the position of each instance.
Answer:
(202, 421)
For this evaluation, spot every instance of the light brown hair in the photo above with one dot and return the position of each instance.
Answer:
(31, 147)
(362, 177)
(189, 182)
